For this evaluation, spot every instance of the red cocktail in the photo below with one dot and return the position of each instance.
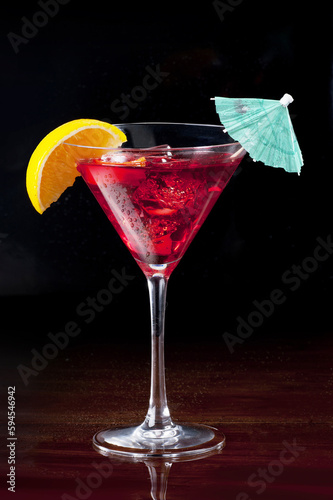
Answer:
(158, 202)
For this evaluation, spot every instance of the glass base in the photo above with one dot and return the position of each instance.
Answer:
(178, 440)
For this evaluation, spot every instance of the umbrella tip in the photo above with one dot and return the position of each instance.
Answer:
(286, 100)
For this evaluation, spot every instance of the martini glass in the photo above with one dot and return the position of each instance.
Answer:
(157, 191)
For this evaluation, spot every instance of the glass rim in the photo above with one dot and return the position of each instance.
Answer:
(160, 147)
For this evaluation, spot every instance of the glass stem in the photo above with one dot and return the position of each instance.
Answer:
(158, 415)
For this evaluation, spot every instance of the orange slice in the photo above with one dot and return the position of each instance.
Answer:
(52, 169)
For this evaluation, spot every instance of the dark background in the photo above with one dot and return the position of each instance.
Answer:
(75, 66)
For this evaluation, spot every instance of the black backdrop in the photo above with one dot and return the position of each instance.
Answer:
(69, 59)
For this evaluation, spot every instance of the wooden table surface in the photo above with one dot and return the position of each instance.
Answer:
(272, 398)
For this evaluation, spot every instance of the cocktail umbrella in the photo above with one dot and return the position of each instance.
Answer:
(263, 127)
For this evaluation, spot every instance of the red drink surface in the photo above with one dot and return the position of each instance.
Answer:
(158, 205)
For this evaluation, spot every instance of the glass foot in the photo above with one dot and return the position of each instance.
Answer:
(174, 441)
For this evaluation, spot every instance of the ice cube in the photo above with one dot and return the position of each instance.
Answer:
(179, 192)
(118, 157)
(161, 227)
(167, 191)
(124, 158)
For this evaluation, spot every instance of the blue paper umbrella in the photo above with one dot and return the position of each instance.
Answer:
(263, 127)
